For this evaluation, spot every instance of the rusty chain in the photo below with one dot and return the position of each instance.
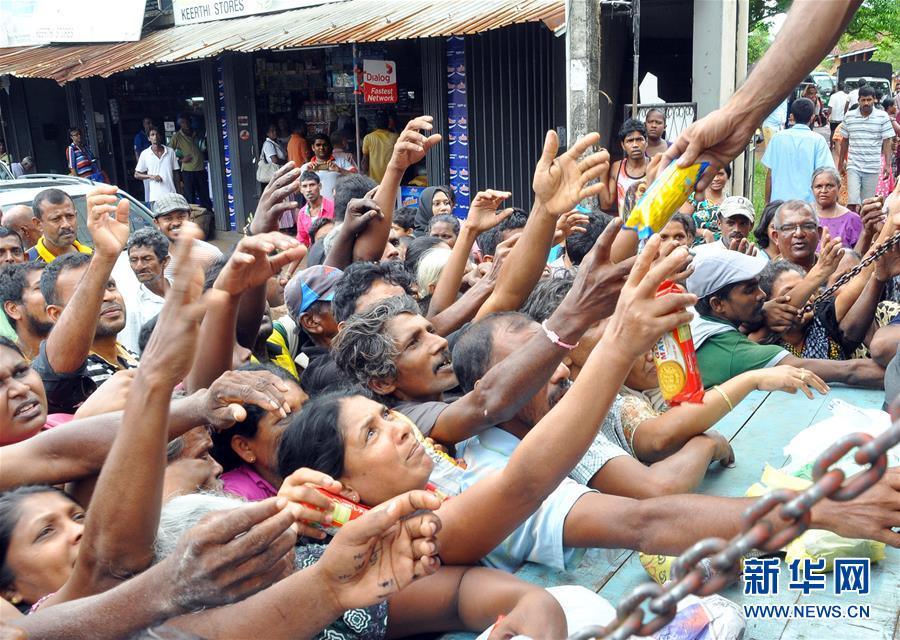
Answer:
(882, 249)
(711, 564)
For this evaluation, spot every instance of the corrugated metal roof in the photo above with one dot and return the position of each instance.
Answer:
(335, 23)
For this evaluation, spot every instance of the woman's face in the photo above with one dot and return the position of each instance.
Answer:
(262, 449)
(23, 401)
(440, 203)
(382, 457)
(272, 132)
(444, 231)
(44, 544)
(825, 189)
(719, 181)
(643, 374)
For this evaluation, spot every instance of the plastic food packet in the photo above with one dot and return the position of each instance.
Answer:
(662, 198)
(343, 511)
(676, 360)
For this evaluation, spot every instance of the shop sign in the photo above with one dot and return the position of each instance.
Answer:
(379, 82)
(196, 11)
(39, 22)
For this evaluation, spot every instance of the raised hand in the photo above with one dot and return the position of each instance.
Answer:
(275, 199)
(568, 223)
(411, 146)
(382, 552)
(830, 256)
(872, 214)
(599, 281)
(170, 352)
(359, 212)
(888, 265)
(251, 264)
(109, 233)
(717, 138)
(640, 317)
(561, 182)
(230, 555)
(744, 246)
(307, 505)
(223, 402)
(484, 213)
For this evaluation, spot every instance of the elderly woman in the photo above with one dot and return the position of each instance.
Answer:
(840, 221)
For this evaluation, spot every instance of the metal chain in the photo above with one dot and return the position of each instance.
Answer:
(847, 277)
(711, 564)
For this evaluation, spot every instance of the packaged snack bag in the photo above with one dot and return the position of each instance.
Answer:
(662, 199)
(676, 360)
(343, 511)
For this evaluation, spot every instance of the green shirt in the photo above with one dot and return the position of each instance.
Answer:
(6, 329)
(188, 147)
(725, 355)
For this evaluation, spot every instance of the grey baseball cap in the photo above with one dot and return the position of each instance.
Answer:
(168, 203)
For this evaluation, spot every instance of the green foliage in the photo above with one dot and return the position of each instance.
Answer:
(888, 51)
(758, 41)
(875, 19)
(762, 10)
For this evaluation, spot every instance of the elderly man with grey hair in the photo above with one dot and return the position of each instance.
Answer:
(797, 231)
(148, 257)
(20, 169)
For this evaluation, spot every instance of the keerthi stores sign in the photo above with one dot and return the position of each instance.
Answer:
(379, 82)
(196, 11)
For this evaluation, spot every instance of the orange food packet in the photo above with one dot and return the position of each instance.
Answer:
(676, 360)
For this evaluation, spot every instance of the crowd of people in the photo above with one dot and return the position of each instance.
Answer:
(361, 421)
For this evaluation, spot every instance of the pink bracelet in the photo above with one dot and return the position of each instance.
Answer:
(553, 337)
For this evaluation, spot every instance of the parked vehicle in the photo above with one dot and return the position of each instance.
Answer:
(24, 189)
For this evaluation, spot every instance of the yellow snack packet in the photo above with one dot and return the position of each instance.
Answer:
(662, 199)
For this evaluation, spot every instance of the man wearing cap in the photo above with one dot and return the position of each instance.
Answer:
(308, 297)
(727, 285)
(793, 155)
(170, 213)
(735, 218)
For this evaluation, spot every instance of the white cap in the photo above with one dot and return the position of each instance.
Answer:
(716, 269)
(737, 206)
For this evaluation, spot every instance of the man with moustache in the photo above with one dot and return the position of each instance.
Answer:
(170, 212)
(87, 310)
(148, 256)
(736, 218)
(57, 221)
(797, 232)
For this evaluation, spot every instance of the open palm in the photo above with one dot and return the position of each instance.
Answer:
(561, 182)
(412, 146)
(107, 220)
(251, 264)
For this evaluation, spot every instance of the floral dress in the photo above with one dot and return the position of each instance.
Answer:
(705, 216)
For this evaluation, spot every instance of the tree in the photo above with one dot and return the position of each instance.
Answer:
(875, 20)
(762, 10)
(758, 41)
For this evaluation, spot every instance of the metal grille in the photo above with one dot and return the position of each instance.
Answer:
(679, 115)
(510, 74)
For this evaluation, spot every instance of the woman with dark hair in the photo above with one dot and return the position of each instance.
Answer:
(763, 231)
(434, 201)
(248, 451)
(704, 206)
(23, 401)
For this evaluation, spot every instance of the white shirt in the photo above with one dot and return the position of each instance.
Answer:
(838, 103)
(140, 307)
(163, 166)
(202, 252)
(271, 148)
(853, 97)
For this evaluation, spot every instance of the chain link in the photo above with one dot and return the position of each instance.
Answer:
(882, 249)
(713, 563)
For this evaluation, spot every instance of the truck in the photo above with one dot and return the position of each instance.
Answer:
(875, 74)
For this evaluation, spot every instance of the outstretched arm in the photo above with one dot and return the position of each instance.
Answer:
(559, 184)
(506, 387)
(71, 338)
(119, 535)
(483, 515)
(801, 44)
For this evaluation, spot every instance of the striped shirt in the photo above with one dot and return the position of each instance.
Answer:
(866, 135)
(81, 160)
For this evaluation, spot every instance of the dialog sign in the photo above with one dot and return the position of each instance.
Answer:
(379, 82)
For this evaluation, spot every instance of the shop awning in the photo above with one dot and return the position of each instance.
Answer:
(327, 24)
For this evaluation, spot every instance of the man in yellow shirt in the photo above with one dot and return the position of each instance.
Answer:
(193, 163)
(56, 219)
(377, 149)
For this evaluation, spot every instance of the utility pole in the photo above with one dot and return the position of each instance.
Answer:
(583, 68)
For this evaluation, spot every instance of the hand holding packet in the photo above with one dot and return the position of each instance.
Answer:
(662, 198)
